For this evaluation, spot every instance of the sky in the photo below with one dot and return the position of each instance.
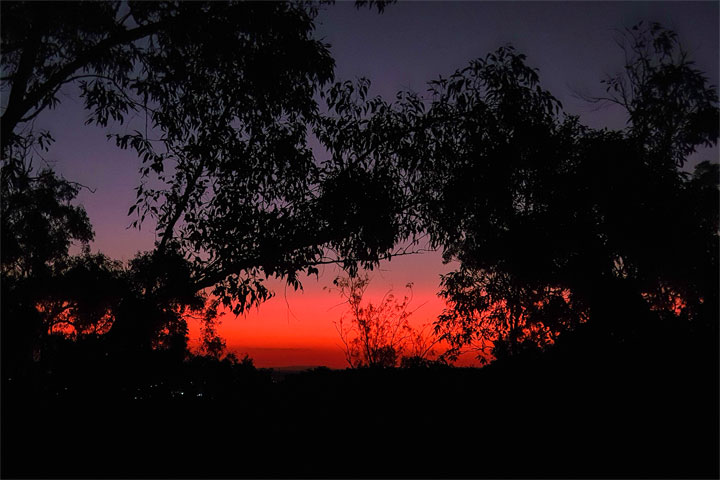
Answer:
(409, 44)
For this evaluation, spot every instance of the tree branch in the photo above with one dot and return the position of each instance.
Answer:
(21, 101)
(14, 110)
(167, 234)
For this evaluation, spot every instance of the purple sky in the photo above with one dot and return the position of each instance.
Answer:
(410, 43)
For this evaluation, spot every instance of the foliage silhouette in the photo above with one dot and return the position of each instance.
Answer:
(555, 224)
(565, 235)
(38, 224)
(117, 49)
(671, 109)
(226, 90)
(379, 336)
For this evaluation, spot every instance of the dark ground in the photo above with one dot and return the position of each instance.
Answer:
(647, 412)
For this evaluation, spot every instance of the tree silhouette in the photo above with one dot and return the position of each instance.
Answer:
(671, 110)
(39, 223)
(555, 224)
(83, 295)
(151, 315)
(38, 206)
(220, 96)
(559, 231)
(227, 94)
(227, 91)
(378, 335)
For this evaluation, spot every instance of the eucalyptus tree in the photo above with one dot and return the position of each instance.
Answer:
(552, 224)
(221, 98)
(555, 224)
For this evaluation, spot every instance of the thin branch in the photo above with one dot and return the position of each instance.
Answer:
(36, 95)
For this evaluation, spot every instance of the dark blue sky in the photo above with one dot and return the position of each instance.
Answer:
(410, 43)
(570, 42)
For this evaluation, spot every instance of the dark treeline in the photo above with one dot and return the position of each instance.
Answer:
(587, 258)
(559, 415)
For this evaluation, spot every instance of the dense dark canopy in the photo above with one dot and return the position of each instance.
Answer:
(553, 223)
(601, 243)
(220, 99)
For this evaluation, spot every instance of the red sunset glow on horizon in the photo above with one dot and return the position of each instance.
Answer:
(360, 239)
(297, 329)
(403, 48)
